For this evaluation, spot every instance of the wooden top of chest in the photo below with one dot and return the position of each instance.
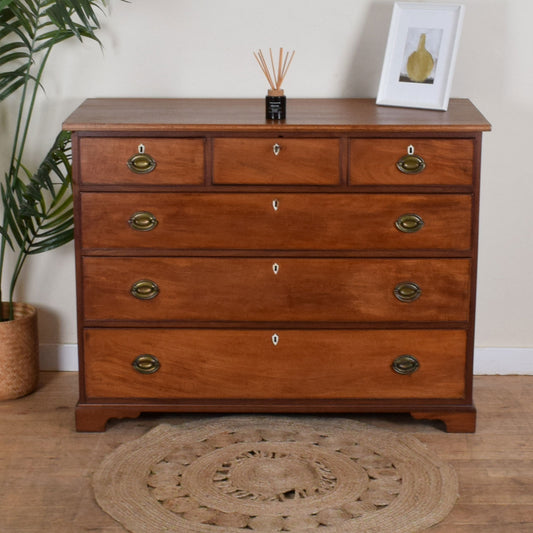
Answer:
(350, 115)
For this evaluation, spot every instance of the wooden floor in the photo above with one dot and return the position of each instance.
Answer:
(46, 467)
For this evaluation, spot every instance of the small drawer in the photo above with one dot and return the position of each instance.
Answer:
(274, 364)
(141, 161)
(276, 161)
(277, 221)
(222, 289)
(411, 161)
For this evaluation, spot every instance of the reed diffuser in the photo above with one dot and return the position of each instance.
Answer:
(276, 103)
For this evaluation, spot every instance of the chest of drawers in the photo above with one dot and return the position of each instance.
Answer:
(325, 263)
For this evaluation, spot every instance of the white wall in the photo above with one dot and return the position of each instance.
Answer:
(203, 48)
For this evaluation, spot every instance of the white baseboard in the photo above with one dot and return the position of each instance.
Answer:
(503, 361)
(64, 357)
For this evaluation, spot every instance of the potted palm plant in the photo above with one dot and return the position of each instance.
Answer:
(36, 206)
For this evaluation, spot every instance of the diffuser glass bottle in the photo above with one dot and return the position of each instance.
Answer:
(276, 104)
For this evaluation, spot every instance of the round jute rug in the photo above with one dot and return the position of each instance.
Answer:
(267, 474)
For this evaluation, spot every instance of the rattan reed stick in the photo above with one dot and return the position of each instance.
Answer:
(275, 75)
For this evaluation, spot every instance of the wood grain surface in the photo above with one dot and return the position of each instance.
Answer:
(245, 364)
(313, 221)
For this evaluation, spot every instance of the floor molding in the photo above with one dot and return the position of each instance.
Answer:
(503, 361)
(487, 361)
(62, 357)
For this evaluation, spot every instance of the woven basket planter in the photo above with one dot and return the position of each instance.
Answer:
(19, 353)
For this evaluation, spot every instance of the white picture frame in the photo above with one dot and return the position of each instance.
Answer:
(410, 77)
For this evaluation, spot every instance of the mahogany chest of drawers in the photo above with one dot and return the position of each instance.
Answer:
(324, 263)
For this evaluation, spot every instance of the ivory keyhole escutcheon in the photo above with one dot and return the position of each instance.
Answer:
(275, 268)
(275, 339)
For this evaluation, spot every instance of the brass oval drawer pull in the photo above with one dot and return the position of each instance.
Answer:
(411, 164)
(142, 221)
(141, 162)
(407, 291)
(146, 364)
(144, 289)
(409, 223)
(405, 364)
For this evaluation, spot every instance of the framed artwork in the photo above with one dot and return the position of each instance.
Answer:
(420, 55)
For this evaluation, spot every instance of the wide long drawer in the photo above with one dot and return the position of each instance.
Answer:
(275, 289)
(286, 364)
(287, 221)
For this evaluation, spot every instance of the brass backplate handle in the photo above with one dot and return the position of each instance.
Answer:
(141, 163)
(409, 223)
(146, 364)
(144, 289)
(405, 364)
(411, 164)
(142, 221)
(407, 291)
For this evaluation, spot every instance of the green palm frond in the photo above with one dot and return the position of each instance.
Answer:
(39, 211)
(46, 207)
(37, 207)
(37, 26)
(4, 3)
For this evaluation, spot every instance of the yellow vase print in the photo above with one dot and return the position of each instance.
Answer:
(420, 62)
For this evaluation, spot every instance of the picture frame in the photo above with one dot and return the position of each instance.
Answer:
(420, 55)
